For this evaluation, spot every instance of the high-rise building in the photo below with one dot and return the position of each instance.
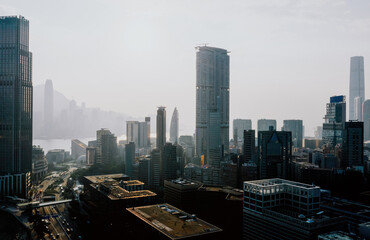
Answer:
(106, 150)
(144, 133)
(155, 168)
(296, 127)
(358, 108)
(161, 127)
(174, 127)
(15, 107)
(132, 131)
(212, 98)
(129, 158)
(353, 144)
(144, 170)
(168, 162)
(356, 83)
(239, 125)
(249, 146)
(48, 107)
(274, 153)
(366, 119)
(335, 117)
(265, 124)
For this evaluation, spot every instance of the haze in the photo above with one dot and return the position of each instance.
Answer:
(287, 57)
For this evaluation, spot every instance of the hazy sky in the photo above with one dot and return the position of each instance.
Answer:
(287, 57)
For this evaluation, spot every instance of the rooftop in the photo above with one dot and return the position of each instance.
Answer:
(278, 181)
(106, 178)
(173, 222)
(114, 192)
(335, 235)
(132, 183)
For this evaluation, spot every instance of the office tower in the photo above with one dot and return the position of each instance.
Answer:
(144, 133)
(214, 150)
(353, 144)
(48, 107)
(174, 127)
(249, 146)
(239, 125)
(274, 153)
(129, 158)
(281, 209)
(296, 127)
(356, 83)
(155, 168)
(335, 118)
(132, 131)
(15, 107)
(90, 156)
(318, 132)
(161, 127)
(169, 162)
(144, 170)
(366, 119)
(358, 108)
(106, 150)
(265, 124)
(212, 96)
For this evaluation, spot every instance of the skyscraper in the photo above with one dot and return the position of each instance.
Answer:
(174, 127)
(48, 107)
(366, 119)
(356, 84)
(212, 98)
(139, 133)
(132, 131)
(353, 144)
(335, 118)
(249, 145)
(15, 106)
(296, 127)
(265, 124)
(129, 158)
(106, 150)
(161, 127)
(239, 125)
(358, 108)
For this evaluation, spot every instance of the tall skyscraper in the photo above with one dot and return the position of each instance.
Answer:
(366, 119)
(169, 162)
(139, 133)
(212, 98)
(265, 124)
(161, 127)
(335, 118)
(15, 107)
(48, 107)
(239, 125)
(174, 127)
(296, 127)
(132, 131)
(129, 158)
(356, 84)
(249, 145)
(358, 108)
(106, 150)
(353, 144)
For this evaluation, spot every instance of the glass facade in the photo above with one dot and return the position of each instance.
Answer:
(15, 96)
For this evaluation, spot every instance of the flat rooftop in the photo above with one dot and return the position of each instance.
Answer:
(105, 178)
(279, 181)
(173, 222)
(132, 183)
(116, 192)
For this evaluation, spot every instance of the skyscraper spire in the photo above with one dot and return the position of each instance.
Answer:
(174, 128)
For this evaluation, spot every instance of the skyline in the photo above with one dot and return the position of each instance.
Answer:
(282, 42)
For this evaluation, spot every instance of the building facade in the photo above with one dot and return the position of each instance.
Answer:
(161, 127)
(106, 149)
(212, 98)
(174, 127)
(366, 119)
(264, 124)
(15, 107)
(356, 83)
(296, 127)
(335, 117)
(239, 125)
(353, 144)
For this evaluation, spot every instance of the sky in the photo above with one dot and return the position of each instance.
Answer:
(287, 57)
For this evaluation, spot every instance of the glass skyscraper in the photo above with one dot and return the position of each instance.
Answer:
(15, 106)
(212, 98)
(356, 85)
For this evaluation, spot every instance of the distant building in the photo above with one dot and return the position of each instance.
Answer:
(174, 127)
(132, 131)
(358, 108)
(353, 144)
(312, 143)
(239, 126)
(155, 168)
(212, 102)
(144, 170)
(356, 84)
(274, 153)
(90, 156)
(335, 118)
(249, 146)
(106, 150)
(296, 127)
(281, 209)
(265, 124)
(161, 127)
(129, 158)
(78, 148)
(366, 119)
(139, 133)
(39, 163)
(187, 143)
(56, 156)
(318, 132)
(168, 162)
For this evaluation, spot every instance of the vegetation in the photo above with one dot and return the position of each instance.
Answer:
(98, 169)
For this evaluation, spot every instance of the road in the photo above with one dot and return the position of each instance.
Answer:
(56, 225)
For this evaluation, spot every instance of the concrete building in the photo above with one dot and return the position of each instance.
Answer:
(180, 192)
(356, 84)
(139, 133)
(90, 156)
(144, 170)
(155, 169)
(56, 156)
(353, 144)
(239, 126)
(281, 209)
(15, 107)
(358, 108)
(78, 148)
(249, 146)
(212, 100)
(161, 127)
(39, 163)
(129, 158)
(335, 118)
(274, 154)
(366, 119)
(106, 149)
(264, 124)
(296, 127)
(132, 131)
(174, 127)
